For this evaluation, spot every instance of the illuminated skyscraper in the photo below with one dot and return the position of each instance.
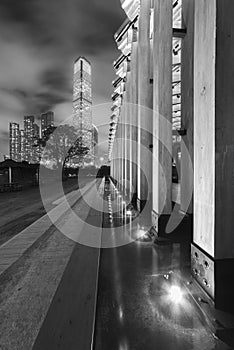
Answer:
(36, 145)
(14, 133)
(29, 135)
(47, 120)
(82, 101)
(22, 145)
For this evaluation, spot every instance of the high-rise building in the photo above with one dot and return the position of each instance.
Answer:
(22, 145)
(14, 134)
(82, 101)
(47, 120)
(29, 137)
(36, 144)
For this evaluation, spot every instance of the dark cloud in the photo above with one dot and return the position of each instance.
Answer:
(39, 41)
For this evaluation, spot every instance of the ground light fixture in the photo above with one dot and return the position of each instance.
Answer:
(176, 294)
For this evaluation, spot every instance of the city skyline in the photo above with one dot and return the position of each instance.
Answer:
(25, 136)
(41, 78)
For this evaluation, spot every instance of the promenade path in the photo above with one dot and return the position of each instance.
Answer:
(65, 295)
(34, 268)
(14, 248)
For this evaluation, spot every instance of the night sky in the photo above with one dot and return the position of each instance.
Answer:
(39, 40)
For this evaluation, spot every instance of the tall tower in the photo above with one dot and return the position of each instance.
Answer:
(14, 133)
(29, 137)
(47, 120)
(82, 101)
(22, 145)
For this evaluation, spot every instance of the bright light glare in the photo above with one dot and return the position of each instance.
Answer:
(176, 294)
(128, 212)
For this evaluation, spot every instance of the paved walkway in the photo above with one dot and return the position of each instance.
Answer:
(135, 308)
(69, 323)
(116, 298)
(13, 249)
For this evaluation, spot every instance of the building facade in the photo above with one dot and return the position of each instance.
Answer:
(29, 137)
(47, 120)
(14, 141)
(82, 102)
(31, 140)
(22, 145)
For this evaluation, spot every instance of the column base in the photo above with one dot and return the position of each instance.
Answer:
(159, 223)
(182, 232)
(215, 277)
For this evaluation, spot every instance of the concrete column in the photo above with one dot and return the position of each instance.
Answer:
(134, 109)
(113, 164)
(119, 146)
(113, 161)
(145, 94)
(162, 119)
(187, 102)
(115, 147)
(213, 249)
(116, 155)
(122, 140)
(127, 131)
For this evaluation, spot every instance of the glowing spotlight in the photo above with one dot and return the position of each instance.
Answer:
(128, 212)
(176, 294)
